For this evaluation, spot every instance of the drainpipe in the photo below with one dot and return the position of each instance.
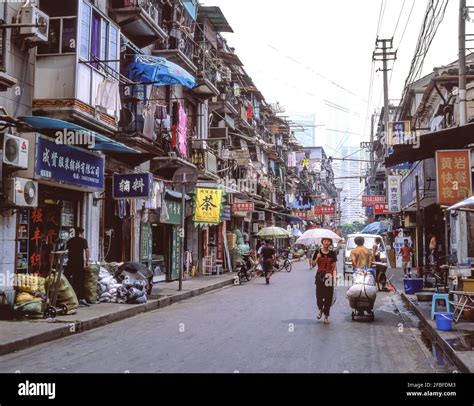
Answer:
(3, 68)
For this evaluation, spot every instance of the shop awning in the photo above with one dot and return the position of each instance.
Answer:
(465, 205)
(450, 138)
(176, 195)
(50, 126)
(158, 71)
(215, 17)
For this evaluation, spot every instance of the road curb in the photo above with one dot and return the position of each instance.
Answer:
(67, 329)
(435, 337)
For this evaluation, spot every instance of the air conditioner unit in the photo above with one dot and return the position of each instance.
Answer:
(33, 15)
(227, 74)
(22, 192)
(258, 215)
(15, 151)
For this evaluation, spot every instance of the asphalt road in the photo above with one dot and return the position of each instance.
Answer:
(247, 328)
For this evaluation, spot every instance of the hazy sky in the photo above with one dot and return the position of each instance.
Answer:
(293, 49)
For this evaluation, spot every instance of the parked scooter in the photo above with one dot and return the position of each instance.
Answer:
(244, 268)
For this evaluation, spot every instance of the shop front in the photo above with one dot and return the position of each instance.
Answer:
(62, 180)
(166, 243)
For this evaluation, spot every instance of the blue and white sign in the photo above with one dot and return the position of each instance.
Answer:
(68, 164)
(134, 185)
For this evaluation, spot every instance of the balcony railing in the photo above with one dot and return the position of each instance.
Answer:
(141, 20)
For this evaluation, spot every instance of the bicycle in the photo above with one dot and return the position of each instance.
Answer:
(436, 275)
(282, 262)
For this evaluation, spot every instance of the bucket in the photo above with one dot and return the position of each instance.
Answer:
(413, 285)
(444, 321)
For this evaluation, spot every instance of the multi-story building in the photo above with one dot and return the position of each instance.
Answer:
(150, 88)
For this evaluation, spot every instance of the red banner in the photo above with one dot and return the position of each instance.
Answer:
(453, 176)
(303, 215)
(243, 207)
(324, 210)
(370, 200)
(381, 208)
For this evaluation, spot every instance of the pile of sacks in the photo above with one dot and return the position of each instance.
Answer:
(109, 290)
(363, 287)
(107, 287)
(30, 293)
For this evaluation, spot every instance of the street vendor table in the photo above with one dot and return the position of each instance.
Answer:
(466, 302)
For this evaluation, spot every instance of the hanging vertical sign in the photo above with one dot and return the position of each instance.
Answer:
(453, 176)
(394, 194)
(208, 206)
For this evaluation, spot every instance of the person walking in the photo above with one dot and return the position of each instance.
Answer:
(376, 249)
(325, 259)
(405, 252)
(361, 256)
(76, 267)
(268, 256)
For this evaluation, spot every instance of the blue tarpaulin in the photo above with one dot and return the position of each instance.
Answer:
(158, 71)
(377, 227)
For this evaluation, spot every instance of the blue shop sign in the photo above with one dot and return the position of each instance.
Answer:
(425, 170)
(134, 185)
(68, 164)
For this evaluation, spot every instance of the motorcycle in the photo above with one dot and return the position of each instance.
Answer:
(244, 269)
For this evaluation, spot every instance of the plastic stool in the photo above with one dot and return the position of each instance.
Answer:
(436, 297)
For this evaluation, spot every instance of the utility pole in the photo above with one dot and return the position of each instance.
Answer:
(462, 63)
(382, 53)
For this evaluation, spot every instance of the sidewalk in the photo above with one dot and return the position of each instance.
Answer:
(18, 335)
(450, 342)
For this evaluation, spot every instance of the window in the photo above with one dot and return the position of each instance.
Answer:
(55, 8)
(61, 37)
(113, 47)
(99, 38)
(85, 30)
(104, 40)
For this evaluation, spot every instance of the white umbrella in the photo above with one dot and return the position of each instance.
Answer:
(273, 232)
(315, 235)
(466, 204)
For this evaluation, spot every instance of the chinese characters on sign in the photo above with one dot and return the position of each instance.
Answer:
(136, 185)
(453, 176)
(381, 208)
(44, 229)
(370, 200)
(394, 193)
(243, 207)
(399, 132)
(208, 206)
(325, 210)
(69, 164)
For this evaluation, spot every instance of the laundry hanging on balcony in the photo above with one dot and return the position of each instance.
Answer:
(158, 71)
(108, 96)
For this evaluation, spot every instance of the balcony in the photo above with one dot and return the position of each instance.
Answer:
(140, 20)
(179, 49)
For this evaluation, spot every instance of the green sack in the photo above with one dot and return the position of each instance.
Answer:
(90, 283)
(33, 307)
(66, 294)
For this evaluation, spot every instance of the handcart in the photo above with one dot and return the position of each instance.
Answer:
(362, 305)
(50, 308)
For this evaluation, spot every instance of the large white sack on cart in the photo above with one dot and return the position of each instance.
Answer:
(362, 291)
(363, 278)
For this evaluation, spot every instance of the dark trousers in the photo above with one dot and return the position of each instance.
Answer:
(76, 276)
(324, 292)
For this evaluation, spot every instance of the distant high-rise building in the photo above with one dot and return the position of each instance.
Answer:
(349, 177)
(304, 128)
